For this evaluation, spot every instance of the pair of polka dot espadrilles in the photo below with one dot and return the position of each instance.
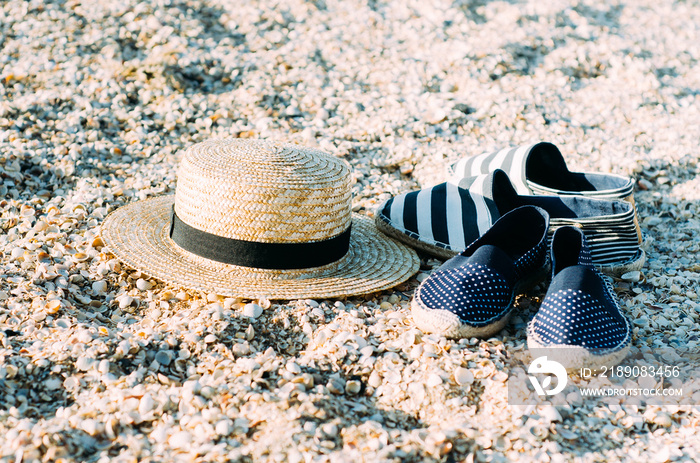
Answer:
(472, 294)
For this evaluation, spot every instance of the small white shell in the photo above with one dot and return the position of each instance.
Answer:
(252, 310)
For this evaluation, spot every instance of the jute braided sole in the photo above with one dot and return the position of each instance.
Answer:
(448, 324)
(437, 251)
(573, 358)
(618, 269)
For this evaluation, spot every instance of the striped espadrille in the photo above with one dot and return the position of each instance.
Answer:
(444, 219)
(580, 323)
(540, 169)
(472, 294)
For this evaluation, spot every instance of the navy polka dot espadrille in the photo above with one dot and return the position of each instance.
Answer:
(580, 323)
(472, 294)
(443, 219)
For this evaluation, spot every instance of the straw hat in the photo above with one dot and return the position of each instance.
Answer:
(255, 219)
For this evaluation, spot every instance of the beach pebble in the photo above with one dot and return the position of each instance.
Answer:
(103, 366)
(434, 380)
(159, 434)
(146, 404)
(164, 357)
(224, 427)
(180, 439)
(632, 276)
(252, 310)
(644, 184)
(53, 306)
(240, 349)
(16, 253)
(90, 426)
(293, 368)
(336, 385)
(353, 387)
(463, 376)
(329, 430)
(550, 414)
(375, 379)
(567, 434)
(125, 301)
(84, 363)
(52, 383)
(99, 287)
(662, 419)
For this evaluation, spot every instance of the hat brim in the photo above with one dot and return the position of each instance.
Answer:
(138, 235)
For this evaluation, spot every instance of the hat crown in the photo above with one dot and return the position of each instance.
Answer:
(262, 191)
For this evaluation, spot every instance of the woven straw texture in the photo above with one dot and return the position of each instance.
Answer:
(262, 191)
(138, 233)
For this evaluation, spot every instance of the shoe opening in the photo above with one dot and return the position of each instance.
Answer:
(518, 232)
(546, 166)
(567, 244)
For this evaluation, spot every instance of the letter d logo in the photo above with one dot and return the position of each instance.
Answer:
(548, 367)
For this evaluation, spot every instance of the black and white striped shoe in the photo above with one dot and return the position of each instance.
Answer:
(443, 219)
(540, 169)
(472, 294)
(580, 323)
